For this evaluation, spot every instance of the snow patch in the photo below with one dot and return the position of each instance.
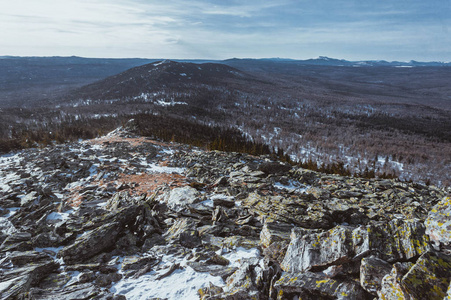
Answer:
(153, 168)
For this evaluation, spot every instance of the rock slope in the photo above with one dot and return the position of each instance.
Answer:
(125, 217)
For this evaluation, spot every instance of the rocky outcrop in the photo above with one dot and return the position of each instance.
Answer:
(438, 223)
(393, 241)
(106, 218)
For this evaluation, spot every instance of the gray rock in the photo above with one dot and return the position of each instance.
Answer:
(22, 258)
(17, 281)
(429, 278)
(308, 285)
(178, 198)
(372, 271)
(438, 223)
(394, 241)
(274, 232)
(82, 291)
(92, 243)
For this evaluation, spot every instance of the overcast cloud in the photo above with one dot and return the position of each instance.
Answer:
(354, 30)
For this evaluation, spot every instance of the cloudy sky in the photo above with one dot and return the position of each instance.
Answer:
(214, 29)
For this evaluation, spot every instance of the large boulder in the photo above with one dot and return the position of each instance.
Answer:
(438, 223)
(92, 243)
(397, 240)
(428, 278)
(372, 271)
(318, 250)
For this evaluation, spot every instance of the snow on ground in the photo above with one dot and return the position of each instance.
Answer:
(291, 186)
(153, 168)
(59, 216)
(183, 283)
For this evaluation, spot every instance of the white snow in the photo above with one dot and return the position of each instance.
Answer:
(59, 216)
(153, 168)
(182, 74)
(183, 283)
(172, 103)
(236, 256)
(160, 63)
(53, 249)
(291, 186)
(207, 202)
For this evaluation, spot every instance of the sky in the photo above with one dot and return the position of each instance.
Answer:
(401, 30)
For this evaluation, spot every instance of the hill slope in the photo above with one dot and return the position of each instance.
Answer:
(157, 76)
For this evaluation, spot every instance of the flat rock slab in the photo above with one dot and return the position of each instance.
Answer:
(309, 285)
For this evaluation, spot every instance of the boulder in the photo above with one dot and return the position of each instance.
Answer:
(178, 198)
(438, 222)
(309, 285)
(397, 240)
(372, 271)
(19, 280)
(80, 291)
(92, 243)
(274, 232)
(429, 278)
(274, 167)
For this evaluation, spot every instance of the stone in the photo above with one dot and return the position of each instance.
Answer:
(274, 232)
(132, 264)
(81, 291)
(438, 223)
(372, 271)
(309, 285)
(396, 240)
(180, 226)
(92, 243)
(429, 277)
(19, 258)
(319, 250)
(19, 280)
(178, 198)
(274, 168)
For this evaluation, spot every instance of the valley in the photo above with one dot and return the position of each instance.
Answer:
(372, 119)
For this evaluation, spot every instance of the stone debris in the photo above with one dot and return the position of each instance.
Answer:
(94, 219)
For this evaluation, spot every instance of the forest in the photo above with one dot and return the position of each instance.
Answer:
(371, 121)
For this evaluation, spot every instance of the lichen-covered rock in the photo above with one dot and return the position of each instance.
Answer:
(91, 243)
(243, 282)
(390, 285)
(397, 240)
(180, 226)
(372, 271)
(429, 278)
(438, 222)
(448, 294)
(313, 250)
(309, 285)
(81, 291)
